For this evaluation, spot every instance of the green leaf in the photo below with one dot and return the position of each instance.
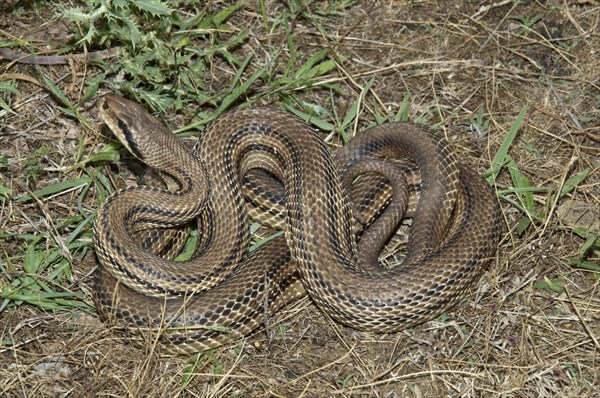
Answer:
(55, 188)
(5, 106)
(109, 153)
(238, 91)
(574, 181)
(264, 241)
(92, 87)
(5, 192)
(403, 112)
(311, 119)
(303, 71)
(500, 159)
(30, 263)
(521, 184)
(56, 91)
(189, 249)
(154, 7)
(584, 264)
(188, 371)
(75, 14)
(554, 284)
(225, 14)
(9, 87)
(523, 224)
(591, 242)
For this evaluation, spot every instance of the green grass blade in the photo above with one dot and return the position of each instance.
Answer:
(52, 189)
(500, 158)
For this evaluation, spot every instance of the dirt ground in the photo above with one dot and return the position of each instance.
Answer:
(531, 327)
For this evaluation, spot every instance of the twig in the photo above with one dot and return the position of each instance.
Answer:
(7, 53)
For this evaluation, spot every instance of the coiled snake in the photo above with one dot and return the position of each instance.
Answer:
(220, 294)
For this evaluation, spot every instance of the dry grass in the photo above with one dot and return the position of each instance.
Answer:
(512, 337)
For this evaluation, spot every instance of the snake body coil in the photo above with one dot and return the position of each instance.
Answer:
(218, 295)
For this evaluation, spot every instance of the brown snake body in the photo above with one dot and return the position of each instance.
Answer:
(453, 237)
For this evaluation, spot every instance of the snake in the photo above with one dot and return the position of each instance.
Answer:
(337, 212)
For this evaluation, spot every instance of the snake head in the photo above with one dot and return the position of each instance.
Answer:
(131, 124)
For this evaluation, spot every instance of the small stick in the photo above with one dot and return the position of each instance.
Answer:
(7, 53)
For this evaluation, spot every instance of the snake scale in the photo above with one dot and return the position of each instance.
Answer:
(337, 213)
